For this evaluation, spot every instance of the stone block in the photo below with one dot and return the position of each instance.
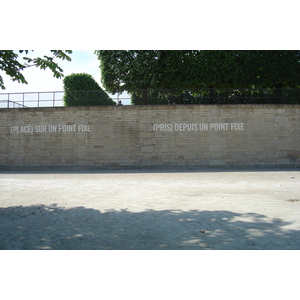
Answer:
(281, 119)
(216, 162)
(125, 136)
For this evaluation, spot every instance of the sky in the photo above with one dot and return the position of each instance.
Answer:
(83, 61)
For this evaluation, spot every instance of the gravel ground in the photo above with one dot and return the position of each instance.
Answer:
(150, 209)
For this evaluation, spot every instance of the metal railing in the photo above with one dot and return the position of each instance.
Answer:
(155, 97)
(31, 99)
(56, 99)
(11, 104)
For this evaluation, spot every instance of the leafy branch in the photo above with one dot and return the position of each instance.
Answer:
(11, 65)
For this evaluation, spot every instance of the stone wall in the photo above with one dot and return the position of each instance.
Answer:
(137, 136)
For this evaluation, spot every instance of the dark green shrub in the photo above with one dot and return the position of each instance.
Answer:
(81, 89)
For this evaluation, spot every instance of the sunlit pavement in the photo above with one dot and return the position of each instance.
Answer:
(150, 209)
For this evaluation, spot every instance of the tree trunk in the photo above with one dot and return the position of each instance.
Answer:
(278, 93)
(212, 95)
(145, 97)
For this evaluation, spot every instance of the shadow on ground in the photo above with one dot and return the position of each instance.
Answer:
(55, 227)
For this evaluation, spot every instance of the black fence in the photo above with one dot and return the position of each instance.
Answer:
(216, 96)
(153, 97)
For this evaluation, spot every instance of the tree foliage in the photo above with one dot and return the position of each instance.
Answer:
(124, 70)
(11, 63)
(81, 89)
(246, 69)
(149, 70)
(144, 70)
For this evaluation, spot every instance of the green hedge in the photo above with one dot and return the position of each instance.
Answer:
(81, 89)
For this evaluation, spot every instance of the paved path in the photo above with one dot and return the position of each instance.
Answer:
(150, 210)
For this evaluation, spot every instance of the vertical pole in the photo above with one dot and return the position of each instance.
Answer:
(38, 99)
(7, 100)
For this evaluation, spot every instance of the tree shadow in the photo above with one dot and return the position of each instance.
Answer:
(55, 227)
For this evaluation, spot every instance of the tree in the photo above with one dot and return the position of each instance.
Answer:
(81, 89)
(277, 70)
(274, 69)
(145, 70)
(11, 63)
(185, 70)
